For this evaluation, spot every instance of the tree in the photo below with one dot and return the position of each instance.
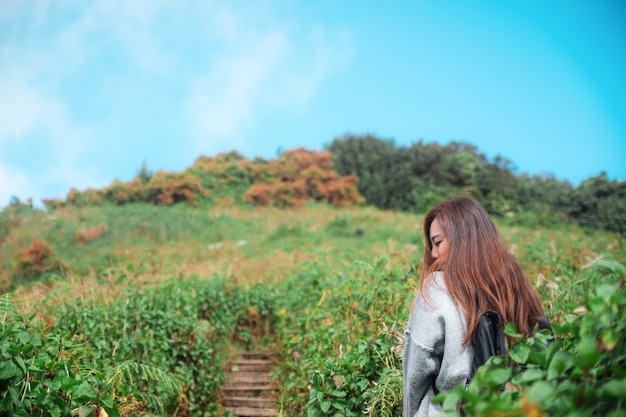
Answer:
(144, 173)
(384, 170)
(599, 203)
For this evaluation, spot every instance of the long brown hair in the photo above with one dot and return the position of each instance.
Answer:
(479, 271)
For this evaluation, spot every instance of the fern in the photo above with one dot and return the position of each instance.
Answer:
(132, 373)
(385, 398)
(8, 310)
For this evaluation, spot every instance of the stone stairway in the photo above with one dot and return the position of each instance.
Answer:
(249, 390)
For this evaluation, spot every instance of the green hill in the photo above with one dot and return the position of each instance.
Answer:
(132, 309)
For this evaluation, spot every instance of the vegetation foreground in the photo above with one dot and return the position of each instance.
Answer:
(132, 310)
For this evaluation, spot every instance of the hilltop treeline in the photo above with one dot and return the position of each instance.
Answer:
(414, 177)
(366, 169)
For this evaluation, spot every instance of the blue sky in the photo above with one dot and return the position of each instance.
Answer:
(89, 91)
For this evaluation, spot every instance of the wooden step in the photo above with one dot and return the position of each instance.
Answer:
(248, 379)
(250, 402)
(250, 365)
(252, 412)
(256, 355)
(253, 361)
(248, 390)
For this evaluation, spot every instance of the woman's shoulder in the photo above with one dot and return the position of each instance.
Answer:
(436, 278)
(437, 284)
(434, 295)
(433, 306)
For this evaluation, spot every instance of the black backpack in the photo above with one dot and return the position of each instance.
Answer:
(490, 338)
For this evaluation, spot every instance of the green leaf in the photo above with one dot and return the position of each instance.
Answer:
(84, 392)
(451, 400)
(34, 368)
(588, 350)
(107, 401)
(8, 370)
(325, 406)
(338, 393)
(498, 376)
(532, 374)
(540, 391)
(14, 393)
(611, 266)
(24, 337)
(605, 291)
(615, 388)
(520, 353)
(559, 363)
(20, 362)
(511, 330)
(112, 411)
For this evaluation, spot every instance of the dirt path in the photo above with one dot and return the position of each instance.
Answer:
(249, 390)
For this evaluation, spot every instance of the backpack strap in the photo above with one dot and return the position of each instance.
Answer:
(489, 340)
(543, 324)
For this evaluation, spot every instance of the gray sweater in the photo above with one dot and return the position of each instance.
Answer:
(434, 357)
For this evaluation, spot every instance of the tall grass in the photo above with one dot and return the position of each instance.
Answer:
(256, 244)
(335, 283)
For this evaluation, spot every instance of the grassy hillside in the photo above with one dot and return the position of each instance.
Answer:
(147, 299)
(253, 244)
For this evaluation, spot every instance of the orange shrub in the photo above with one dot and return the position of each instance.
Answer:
(261, 193)
(300, 175)
(290, 180)
(278, 193)
(343, 192)
(90, 233)
(37, 259)
(169, 189)
(290, 193)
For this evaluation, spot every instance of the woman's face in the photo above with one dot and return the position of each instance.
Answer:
(438, 240)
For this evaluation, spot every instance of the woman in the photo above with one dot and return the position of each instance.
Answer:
(466, 271)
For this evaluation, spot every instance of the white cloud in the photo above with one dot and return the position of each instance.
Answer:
(228, 64)
(35, 120)
(14, 182)
(222, 103)
(262, 71)
(22, 107)
(32, 118)
(34, 65)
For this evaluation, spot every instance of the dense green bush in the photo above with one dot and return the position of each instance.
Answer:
(180, 327)
(48, 373)
(580, 373)
(225, 176)
(158, 350)
(598, 203)
(340, 340)
(342, 348)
